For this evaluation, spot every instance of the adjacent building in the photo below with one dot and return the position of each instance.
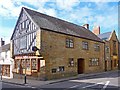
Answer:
(5, 61)
(119, 56)
(111, 48)
(63, 49)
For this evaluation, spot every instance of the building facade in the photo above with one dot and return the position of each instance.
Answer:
(63, 49)
(111, 50)
(119, 56)
(5, 61)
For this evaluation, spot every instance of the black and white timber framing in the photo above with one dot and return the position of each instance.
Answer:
(24, 35)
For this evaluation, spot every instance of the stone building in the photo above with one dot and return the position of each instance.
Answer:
(63, 49)
(111, 48)
(119, 56)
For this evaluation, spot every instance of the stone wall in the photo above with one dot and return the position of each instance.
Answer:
(56, 54)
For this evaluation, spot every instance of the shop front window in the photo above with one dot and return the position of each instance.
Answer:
(28, 64)
(34, 64)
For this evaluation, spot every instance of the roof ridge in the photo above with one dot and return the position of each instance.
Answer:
(55, 17)
(106, 32)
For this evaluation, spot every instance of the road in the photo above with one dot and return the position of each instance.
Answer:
(9, 86)
(105, 81)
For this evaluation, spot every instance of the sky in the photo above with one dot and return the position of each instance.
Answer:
(93, 12)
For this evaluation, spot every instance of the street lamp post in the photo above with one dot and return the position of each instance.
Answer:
(25, 76)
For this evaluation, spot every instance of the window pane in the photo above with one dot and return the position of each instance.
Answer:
(85, 45)
(71, 62)
(34, 64)
(61, 68)
(28, 64)
(69, 43)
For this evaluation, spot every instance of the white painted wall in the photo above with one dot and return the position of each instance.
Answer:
(6, 60)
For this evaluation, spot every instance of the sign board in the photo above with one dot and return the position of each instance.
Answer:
(42, 63)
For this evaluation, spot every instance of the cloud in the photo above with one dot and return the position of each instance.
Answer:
(48, 11)
(75, 11)
(8, 8)
(67, 4)
(103, 14)
(6, 33)
(98, 1)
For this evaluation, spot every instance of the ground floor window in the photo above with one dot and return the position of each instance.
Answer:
(93, 62)
(28, 64)
(54, 70)
(31, 65)
(23, 64)
(6, 70)
(61, 68)
(34, 64)
(17, 64)
(71, 62)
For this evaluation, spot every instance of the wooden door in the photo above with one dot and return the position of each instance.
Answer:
(38, 65)
(111, 64)
(105, 65)
(80, 66)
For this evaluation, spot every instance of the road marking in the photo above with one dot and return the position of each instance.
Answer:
(106, 84)
(75, 86)
(93, 85)
(29, 86)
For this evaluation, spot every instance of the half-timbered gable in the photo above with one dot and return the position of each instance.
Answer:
(24, 36)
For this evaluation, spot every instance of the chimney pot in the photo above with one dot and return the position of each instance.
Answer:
(86, 26)
(2, 42)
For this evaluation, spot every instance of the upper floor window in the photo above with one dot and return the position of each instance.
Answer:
(97, 47)
(23, 44)
(6, 54)
(114, 47)
(107, 49)
(69, 43)
(85, 45)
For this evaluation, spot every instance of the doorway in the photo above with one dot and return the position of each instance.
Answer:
(38, 65)
(111, 64)
(105, 65)
(80, 65)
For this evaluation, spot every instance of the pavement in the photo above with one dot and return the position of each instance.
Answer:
(37, 83)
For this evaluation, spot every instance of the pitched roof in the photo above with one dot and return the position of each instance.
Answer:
(57, 25)
(5, 48)
(105, 36)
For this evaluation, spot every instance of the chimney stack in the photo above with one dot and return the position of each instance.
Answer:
(96, 30)
(2, 42)
(86, 26)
